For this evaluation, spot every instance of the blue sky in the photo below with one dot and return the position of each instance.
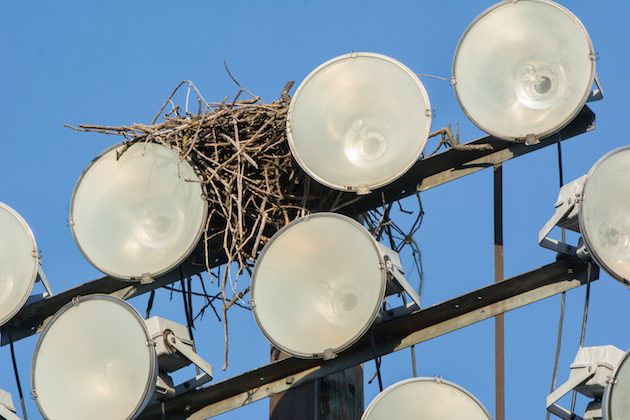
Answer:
(115, 62)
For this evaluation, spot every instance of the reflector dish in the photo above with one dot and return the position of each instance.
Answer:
(94, 360)
(137, 216)
(605, 213)
(524, 69)
(318, 285)
(616, 401)
(424, 399)
(18, 262)
(358, 121)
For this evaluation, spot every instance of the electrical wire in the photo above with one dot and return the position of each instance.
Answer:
(377, 362)
(17, 377)
(563, 297)
(587, 297)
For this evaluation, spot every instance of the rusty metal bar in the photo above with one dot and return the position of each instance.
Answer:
(499, 321)
(392, 334)
(426, 173)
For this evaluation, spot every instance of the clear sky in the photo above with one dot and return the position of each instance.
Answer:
(115, 62)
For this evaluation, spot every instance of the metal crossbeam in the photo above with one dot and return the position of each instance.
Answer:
(425, 174)
(392, 334)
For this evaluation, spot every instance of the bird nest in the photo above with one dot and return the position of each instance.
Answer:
(252, 183)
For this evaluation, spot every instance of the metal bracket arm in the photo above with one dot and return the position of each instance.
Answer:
(574, 380)
(190, 355)
(398, 275)
(562, 210)
(597, 93)
(42, 277)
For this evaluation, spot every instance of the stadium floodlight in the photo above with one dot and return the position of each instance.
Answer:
(7, 409)
(593, 373)
(597, 205)
(358, 122)
(524, 69)
(319, 284)
(19, 264)
(425, 398)
(616, 401)
(136, 215)
(98, 359)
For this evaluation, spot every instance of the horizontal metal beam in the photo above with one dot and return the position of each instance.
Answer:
(453, 164)
(426, 173)
(390, 335)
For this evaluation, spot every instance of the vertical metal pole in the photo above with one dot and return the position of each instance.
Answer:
(499, 343)
(338, 396)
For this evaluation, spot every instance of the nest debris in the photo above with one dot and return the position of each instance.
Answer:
(252, 185)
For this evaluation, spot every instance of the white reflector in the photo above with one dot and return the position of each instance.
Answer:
(318, 285)
(19, 262)
(138, 216)
(616, 402)
(358, 121)
(524, 69)
(425, 399)
(94, 360)
(604, 213)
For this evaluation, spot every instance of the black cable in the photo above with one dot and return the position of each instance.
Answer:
(584, 321)
(563, 297)
(150, 304)
(377, 362)
(17, 377)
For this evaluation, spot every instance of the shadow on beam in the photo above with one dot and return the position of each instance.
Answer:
(393, 334)
(426, 173)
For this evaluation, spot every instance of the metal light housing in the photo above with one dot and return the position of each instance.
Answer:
(138, 214)
(19, 263)
(98, 359)
(319, 284)
(594, 373)
(524, 69)
(598, 206)
(358, 122)
(425, 398)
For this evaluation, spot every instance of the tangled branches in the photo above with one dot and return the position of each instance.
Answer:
(252, 186)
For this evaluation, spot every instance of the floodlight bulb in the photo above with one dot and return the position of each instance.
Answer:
(524, 69)
(94, 360)
(616, 401)
(318, 285)
(358, 122)
(139, 214)
(19, 262)
(604, 213)
(423, 399)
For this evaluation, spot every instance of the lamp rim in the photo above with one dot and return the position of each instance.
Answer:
(153, 363)
(185, 254)
(606, 398)
(436, 380)
(31, 283)
(559, 125)
(375, 311)
(598, 259)
(313, 74)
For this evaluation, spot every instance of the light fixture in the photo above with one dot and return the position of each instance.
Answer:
(98, 359)
(523, 69)
(319, 284)
(358, 122)
(7, 409)
(425, 398)
(138, 214)
(598, 206)
(594, 373)
(616, 401)
(19, 264)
